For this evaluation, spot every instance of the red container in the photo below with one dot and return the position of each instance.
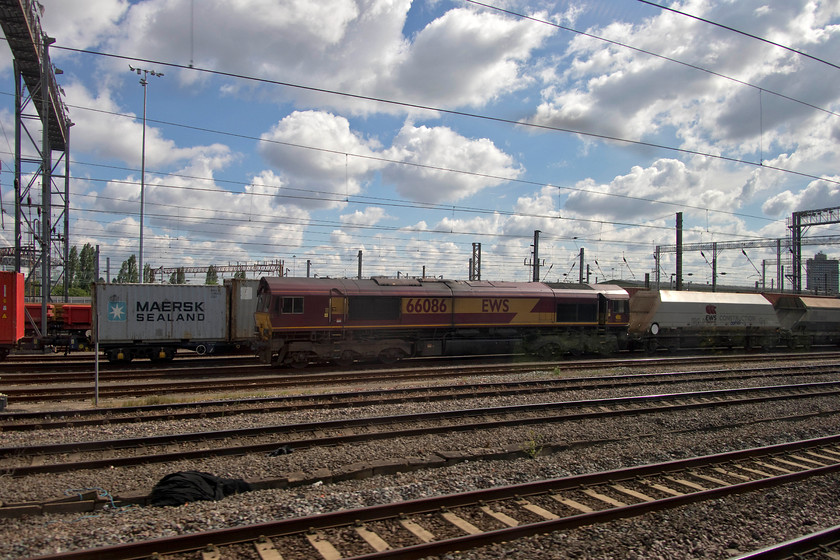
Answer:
(75, 316)
(34, 310)
(12, 321)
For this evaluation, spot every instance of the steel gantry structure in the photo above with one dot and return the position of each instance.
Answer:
(42, 219)
(793, 245)
(798, 223)
(269, 267)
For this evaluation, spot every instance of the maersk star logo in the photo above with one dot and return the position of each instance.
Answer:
(116, 311)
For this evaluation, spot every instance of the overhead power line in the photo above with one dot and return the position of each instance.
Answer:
(453, 112)
(738, 31)
(653, 54)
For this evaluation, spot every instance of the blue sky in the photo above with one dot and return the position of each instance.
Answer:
(241, 168)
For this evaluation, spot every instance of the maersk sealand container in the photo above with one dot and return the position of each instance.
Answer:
(148, 320)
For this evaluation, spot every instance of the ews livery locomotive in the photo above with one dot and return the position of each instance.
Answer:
(300, 320)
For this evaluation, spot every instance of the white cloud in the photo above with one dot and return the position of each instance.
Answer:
(818, 194)
(619, 92)
(435, 149)
(107, 134)
(465, 57)
(368, 217)
(81, 24)
(314, 151)
(468, 58)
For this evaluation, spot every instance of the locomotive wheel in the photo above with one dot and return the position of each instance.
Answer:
(391, 355)
(299, 360)
(347, 358)
(548, 351)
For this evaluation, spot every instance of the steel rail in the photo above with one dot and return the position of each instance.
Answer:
(208, 364)
(818, 542)
(29, 394)
(253, 533)
(230, 407)
(621, 406)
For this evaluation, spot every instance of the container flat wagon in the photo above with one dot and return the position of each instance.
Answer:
(155, 320)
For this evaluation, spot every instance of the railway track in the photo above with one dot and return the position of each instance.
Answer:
(48, 363)
(29, 421)
(822, 545)
(80, 385)
(443, 524)
(64, 457)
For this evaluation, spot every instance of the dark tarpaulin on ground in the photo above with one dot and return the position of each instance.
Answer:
(192, 486)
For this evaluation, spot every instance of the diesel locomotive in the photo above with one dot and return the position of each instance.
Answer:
(300, 320)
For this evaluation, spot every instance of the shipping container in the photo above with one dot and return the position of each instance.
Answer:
(74, 315)
(159, 313)
(12, 317)
(242, 304)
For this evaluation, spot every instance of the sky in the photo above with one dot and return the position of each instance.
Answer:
(308, 132)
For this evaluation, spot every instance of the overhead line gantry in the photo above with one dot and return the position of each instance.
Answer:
(38, 220)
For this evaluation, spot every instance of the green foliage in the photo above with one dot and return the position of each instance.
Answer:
(71, 267)
(128, 272)
(73, 291)
(78, 270)
(534, 445)
(84, 275)
(212, 278)
(239, 274)
(178, 277)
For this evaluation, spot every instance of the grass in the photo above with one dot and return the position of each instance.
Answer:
(534, 445)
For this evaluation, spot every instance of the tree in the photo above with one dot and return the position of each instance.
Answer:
(239, 274)
(212, 277)
(178, 277)
(147, 273)
(128, 271)
(87, 264)
(71, 267)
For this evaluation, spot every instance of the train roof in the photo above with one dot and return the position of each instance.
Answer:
(433, 287)
(821, 302)
(710, 297)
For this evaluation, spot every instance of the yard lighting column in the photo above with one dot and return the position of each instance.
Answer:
(143, 82)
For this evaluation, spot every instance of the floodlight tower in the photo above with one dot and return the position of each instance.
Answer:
(143, 82)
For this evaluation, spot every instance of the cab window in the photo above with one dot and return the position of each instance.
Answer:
(291, 305)
(621, 306)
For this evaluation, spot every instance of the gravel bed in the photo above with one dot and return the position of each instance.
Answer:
(710, 530)
(106, 431)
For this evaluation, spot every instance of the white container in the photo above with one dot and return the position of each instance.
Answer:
(159, 313)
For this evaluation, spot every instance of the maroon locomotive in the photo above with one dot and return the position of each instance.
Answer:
(301, 320)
